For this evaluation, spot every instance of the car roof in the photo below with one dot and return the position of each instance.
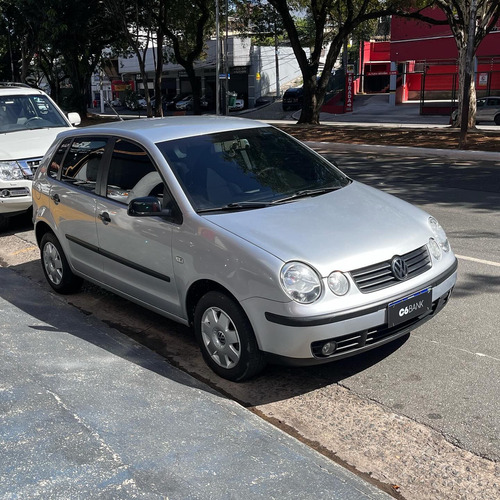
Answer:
(13, 89)
(164, 129)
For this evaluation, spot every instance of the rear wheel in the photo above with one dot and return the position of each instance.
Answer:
(497, 119)
(226, 338)
(55, 266)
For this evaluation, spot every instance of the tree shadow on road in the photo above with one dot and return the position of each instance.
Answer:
(420, 180)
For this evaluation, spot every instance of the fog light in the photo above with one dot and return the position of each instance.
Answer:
(338, 283)
(435, 248)
(328, 348)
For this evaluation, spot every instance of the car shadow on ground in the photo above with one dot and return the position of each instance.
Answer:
(175, 343)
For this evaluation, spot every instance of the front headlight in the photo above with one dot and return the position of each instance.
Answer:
(439, 234)
(300, 282)
(10, 171)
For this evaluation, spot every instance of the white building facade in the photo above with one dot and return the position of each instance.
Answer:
(251, 72)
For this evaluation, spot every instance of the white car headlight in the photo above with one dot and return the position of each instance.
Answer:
(10, 171)
(300, 282)
(439, 234)
(338, 283)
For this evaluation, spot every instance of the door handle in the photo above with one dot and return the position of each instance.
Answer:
(104, 216)
(56, 199)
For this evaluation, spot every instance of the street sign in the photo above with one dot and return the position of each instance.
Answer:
(349, 93)
(483, 79)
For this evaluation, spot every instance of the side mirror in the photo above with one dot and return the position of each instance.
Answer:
(147, 206)
(74, 119)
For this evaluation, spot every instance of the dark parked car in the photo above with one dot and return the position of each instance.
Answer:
(260, 101)
(293, 98)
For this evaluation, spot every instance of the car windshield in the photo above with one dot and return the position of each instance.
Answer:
(22, 112)
(250, 168)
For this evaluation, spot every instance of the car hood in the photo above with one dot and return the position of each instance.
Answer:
(27, 144)
(343, 230)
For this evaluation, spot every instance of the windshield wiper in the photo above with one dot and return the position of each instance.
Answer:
(304, 193)
(241, 205)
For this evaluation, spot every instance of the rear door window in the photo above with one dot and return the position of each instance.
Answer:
(81, 161)
(132, 174)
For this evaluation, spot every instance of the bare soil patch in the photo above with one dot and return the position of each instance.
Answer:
(424, 138)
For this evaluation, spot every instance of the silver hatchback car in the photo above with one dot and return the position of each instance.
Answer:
(235, 228)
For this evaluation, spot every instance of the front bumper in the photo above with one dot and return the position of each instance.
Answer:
(298, 341)
(15, 197)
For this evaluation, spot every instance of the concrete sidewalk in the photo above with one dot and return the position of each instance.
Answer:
(85, 412)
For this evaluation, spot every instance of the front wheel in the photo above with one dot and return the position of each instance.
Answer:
(497, 119)
(55, 266)
(226, 338)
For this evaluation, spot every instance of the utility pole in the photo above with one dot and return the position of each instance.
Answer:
(217, 59)
(226, 61)
(276, 60)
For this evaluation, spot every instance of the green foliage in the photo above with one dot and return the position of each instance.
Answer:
(259, 20)
(187, 25)
(62, 38)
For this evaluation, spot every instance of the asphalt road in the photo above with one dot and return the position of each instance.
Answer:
(421, 414)
(444, 374)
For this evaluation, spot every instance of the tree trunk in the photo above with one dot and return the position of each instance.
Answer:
(467, 95)
(195, 88)
(466, 51)
(311, 105)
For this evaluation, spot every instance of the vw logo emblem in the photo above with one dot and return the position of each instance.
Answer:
(399, 268)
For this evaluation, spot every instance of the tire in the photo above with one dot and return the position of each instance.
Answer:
(226, 338)
(4, 223)
(56, 268)
(497, 119)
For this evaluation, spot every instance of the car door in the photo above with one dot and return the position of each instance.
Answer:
(74, 169)
(137, 251)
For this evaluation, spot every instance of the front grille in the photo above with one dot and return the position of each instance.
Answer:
(378, 276)
(30, 166)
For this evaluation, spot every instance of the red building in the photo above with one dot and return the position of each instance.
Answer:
(425, 59)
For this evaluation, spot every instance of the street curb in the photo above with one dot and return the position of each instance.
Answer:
(452, 154)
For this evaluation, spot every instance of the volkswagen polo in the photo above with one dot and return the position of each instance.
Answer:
(233, 227)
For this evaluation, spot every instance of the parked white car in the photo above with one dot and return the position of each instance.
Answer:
(238, 105)
(186, 104)
(487, 110)
(29, 123)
